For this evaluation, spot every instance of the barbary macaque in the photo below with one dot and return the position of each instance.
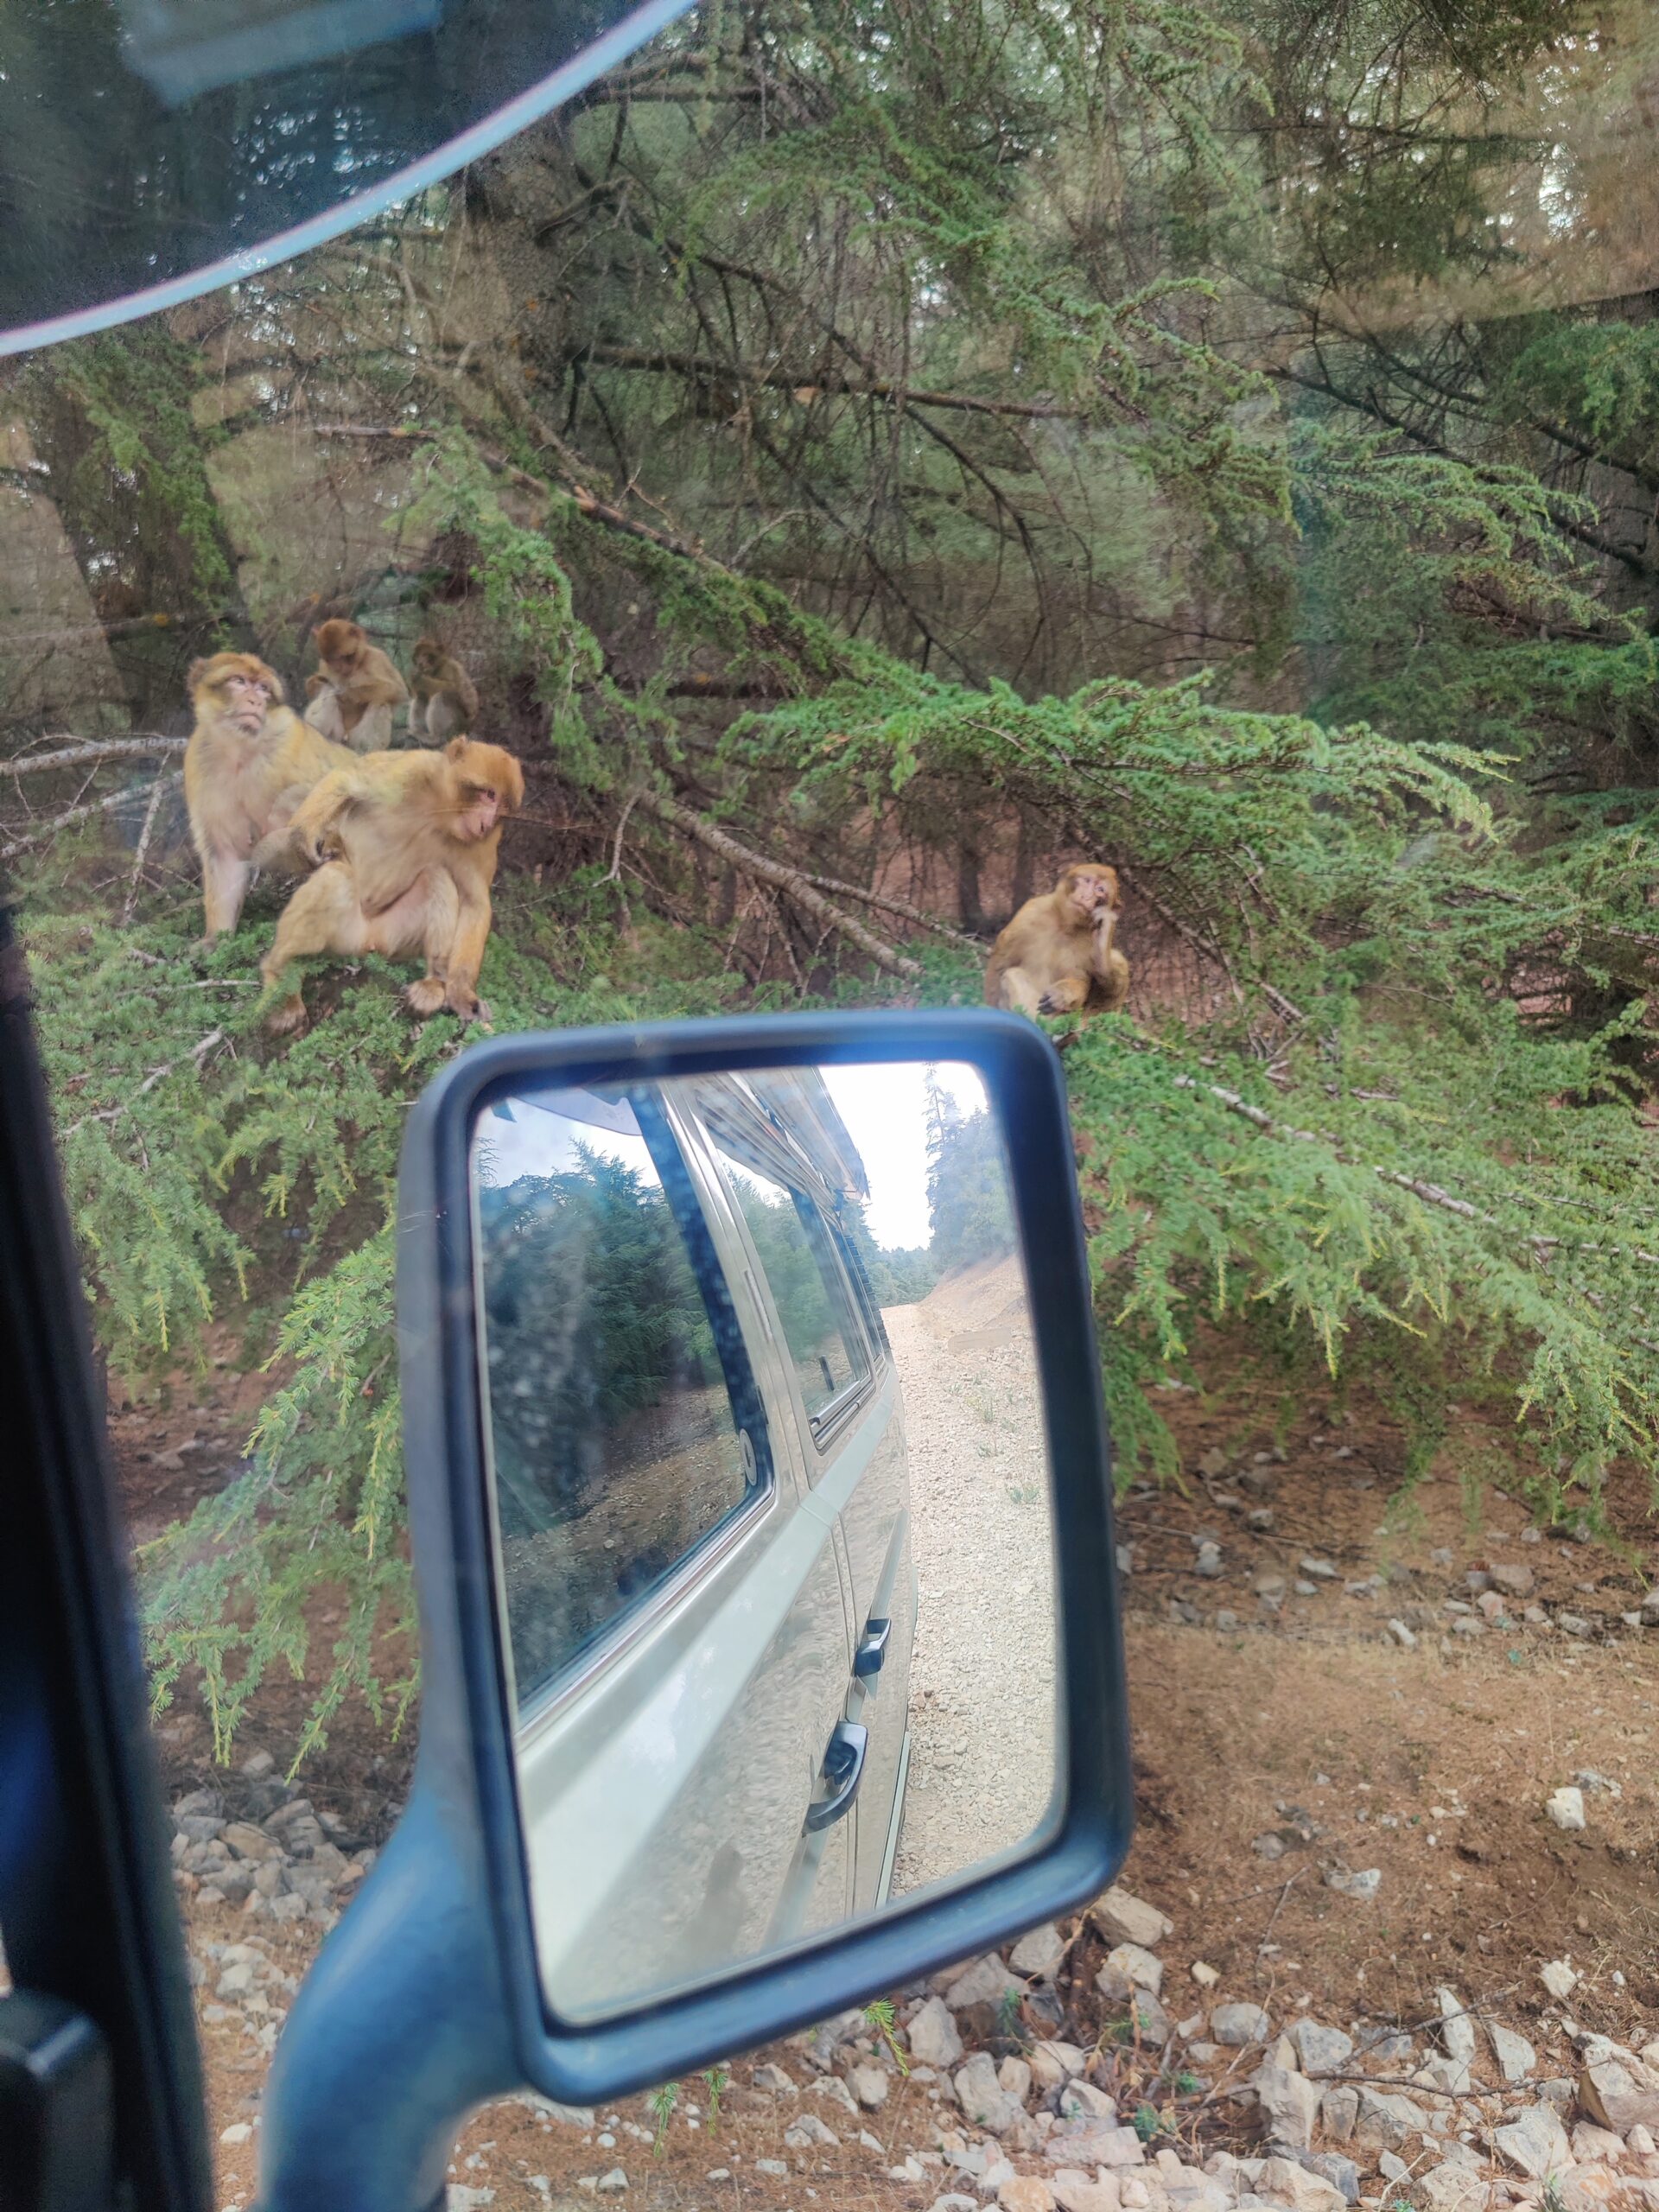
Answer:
(249, 763)
(350, 697)
(406, 845)
(1057, 954)
(445, 701)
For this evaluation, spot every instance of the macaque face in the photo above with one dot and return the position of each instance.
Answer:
(247, 701)
(1092, 891)
(481, 809)
(342, 645)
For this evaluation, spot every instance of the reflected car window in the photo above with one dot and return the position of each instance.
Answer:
(826, 1346)
(615, 1369)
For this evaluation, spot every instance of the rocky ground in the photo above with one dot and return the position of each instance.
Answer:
(1394, 1934)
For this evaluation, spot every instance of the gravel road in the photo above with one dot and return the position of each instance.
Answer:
(982, 1678)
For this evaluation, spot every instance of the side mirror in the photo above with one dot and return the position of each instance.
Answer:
(762, 1528)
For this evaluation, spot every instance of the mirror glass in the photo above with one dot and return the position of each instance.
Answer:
(769, 1484)
(149, 148)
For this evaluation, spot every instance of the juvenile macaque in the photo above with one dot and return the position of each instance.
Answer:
(407, 845)
(249, 763)
(445, 698)
(1057, 954)
(350, 697)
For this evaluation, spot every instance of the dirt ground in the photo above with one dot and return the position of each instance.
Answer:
(1277, 1739)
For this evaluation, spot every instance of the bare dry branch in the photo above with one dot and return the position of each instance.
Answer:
(790, 880)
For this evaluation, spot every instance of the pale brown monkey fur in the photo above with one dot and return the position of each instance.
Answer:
(353, 694)
(249, 763)
(409, 843)
(445, 696)
(1057, 954)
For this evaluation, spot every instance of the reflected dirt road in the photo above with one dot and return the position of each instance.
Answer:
(982, 1693)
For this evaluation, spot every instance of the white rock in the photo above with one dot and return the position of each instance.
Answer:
(613, 2183)
(832, 2086)
(1322, 2049)
(1075, 2191)
(1014, 2077)
(1128, 1967)
(1535, 2144)
(1128, 1919)
(1402, 1636)
(953, 2200)
(773, 2166)
(1083, 2100)
(1039, 1953)
(1053, 2063)
(1239, 2024)
(1386, 2119)
(1206, 1976)
(1453, 2187)
(933, 2034)
(1365, 1884)
(1620, 2096)
(1639, 2142)
(985, 1983)
(1291, 2102)
(870, 2085)
(775, 2079)
(982, 2097)
(241, 2131)
(1592, 2146)
(1566, 1808)
(1026, 2193)
(1515, 2055)
(1457, 2034)
(803, 2133)
(1558, 1979)
(1286, 2183)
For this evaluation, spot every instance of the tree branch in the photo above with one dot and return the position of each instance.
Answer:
(90, 752)
(809, 384)
(790, 880)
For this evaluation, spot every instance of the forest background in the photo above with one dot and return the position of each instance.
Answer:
(869, 455)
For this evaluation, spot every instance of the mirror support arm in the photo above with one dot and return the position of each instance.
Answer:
(401, 2027)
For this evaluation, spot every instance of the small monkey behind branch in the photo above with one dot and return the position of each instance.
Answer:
(445, 703)
(1057, 955)
(350, 697)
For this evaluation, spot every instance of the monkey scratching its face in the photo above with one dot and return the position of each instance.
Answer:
(1057, 954)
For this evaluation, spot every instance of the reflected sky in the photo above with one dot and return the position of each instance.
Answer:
(884, 1105)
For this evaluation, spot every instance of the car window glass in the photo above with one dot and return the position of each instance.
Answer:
(826, 1346)
(624, 1417)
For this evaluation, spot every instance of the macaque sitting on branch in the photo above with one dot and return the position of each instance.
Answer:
(406, 846)
(1057, 954)
(249, 763)
(350, 697)
(445, 703)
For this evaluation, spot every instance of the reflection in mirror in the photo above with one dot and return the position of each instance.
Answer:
(769, 1486)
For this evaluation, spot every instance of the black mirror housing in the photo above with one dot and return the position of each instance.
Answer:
(435, 1968)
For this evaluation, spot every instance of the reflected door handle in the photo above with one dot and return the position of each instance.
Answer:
(871, 1647)
(843, 1769)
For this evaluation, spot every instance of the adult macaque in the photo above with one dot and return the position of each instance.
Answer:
(1057, 954)
(408, 844)
(445, 698)
(249, 763)
(350, 697)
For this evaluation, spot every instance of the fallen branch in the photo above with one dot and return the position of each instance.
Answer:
(896, 907)
(790, 880)
(809, 384)
(1430, 1193)
(49, 829)
(90, 752)
(143, 853)
(198, 1053)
